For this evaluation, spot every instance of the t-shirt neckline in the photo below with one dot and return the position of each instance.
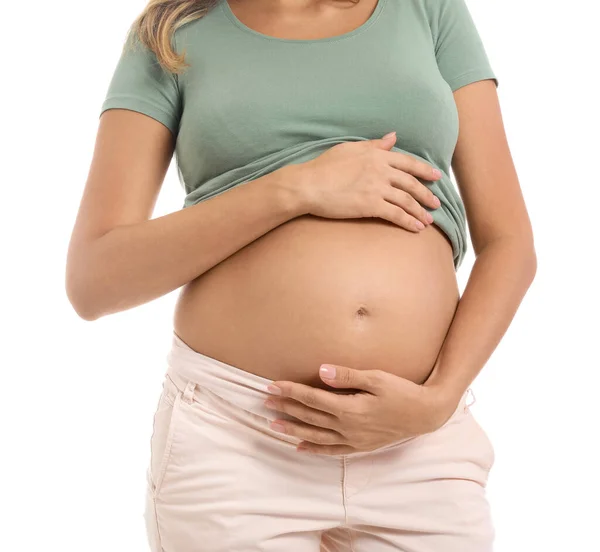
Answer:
(372, 18)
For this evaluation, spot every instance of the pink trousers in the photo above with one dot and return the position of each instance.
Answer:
(220, 480)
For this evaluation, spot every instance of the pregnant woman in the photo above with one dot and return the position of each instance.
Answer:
(315, 391)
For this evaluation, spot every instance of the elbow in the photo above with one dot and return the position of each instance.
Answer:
(80, 294)
(520, 250)
(526, 258)
(81, 303)
(88, 316)
(532, 264)
(80, 282)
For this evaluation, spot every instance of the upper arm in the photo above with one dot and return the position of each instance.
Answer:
(131, 156)
(484, 169)
(482, 163)
(134, 145)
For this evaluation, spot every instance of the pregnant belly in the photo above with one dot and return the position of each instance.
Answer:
(362, 293)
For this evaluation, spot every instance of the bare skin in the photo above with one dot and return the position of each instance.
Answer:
(291, 19)
(363, 293)
(276, 292)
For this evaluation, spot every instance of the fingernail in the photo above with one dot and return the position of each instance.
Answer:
(437, 173)
(278, 427)
(429, 217)
(437, 201)
(419, 225)
(390, 134)
(274, 389)
(327, 371)
(269, 404)
(300, 448)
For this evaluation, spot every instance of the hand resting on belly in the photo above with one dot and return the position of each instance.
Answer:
(345, 286)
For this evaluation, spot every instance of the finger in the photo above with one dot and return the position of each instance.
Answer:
(412, 165)
(409, 204)
(316, 435)
(385, 142)
(330, 450)
(304, 413)
(397, 215)
(418, 190)
(349, 378)
(319, 399)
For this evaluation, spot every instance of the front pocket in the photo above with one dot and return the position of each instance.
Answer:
(164, 427)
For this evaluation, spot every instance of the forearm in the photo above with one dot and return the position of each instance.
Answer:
(131, 265)
(501, 275)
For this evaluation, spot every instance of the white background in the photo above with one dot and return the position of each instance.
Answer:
(78, 397)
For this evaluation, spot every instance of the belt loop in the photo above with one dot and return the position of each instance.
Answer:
(473, 395)
(188, 393)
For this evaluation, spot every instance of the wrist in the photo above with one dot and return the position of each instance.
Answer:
(444, 389)
(293, 182)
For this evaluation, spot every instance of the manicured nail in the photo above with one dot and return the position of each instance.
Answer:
(429, 217)
(419, 225)
(274, 389)
(270, 404)
(437, 201)
(390, 134)
(437, 173)
(278, 427)
(328, 372)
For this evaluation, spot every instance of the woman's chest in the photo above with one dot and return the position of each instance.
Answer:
(258, 97)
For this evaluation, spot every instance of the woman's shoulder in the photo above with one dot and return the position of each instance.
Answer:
(207, 25)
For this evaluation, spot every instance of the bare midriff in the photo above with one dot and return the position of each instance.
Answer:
(362, 293)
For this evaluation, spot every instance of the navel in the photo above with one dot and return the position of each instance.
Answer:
(361, 312)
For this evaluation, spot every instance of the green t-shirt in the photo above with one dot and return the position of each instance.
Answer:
(251, 103)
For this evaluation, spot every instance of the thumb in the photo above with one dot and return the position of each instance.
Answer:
(386, 142)
(343, 377)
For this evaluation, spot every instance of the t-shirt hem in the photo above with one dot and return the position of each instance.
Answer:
(472, 76)
(455, 233)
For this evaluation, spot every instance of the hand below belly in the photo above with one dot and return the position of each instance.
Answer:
(362, 293)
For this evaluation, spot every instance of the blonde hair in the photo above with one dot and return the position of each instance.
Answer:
(158, 22)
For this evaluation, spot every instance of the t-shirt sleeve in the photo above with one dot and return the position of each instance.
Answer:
(459, 50)
(140, 83)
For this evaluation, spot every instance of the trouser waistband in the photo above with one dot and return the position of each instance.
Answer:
(193, 372)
